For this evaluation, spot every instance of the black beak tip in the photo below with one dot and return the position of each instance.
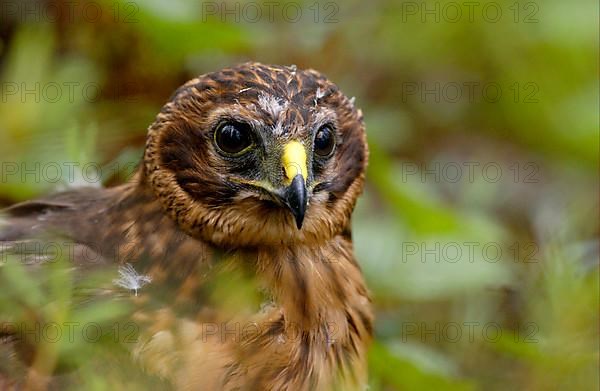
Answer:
(299, 221)
(296, 199)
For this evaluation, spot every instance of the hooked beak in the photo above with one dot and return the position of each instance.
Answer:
(296, 199)
(294, 166)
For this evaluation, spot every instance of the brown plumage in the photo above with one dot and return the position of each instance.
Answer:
(200, 207)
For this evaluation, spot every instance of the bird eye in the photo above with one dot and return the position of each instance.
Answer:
(233, 138)
(324, 141)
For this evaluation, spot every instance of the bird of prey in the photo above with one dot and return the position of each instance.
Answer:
(248, 173)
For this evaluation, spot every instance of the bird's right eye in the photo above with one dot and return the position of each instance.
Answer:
(233, 138)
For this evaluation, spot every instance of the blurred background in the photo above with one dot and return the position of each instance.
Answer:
(478, 230)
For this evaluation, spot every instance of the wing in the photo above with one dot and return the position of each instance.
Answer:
(41, 230)
(94, 227)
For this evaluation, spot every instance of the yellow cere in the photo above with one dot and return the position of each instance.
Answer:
(294, 161)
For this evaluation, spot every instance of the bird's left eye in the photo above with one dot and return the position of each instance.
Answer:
(233, 138)
(324, 141)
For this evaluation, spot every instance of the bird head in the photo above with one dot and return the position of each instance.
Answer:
(258, 155)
